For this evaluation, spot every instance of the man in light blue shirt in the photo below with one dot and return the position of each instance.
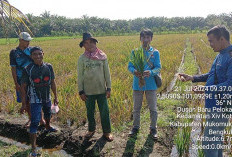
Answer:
(152, 67)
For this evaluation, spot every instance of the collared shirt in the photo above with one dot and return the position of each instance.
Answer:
(223, 66)
(39, 80)
(152, 58)
(20, 59)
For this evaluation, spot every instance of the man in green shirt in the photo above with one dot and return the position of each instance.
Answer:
(94, 84)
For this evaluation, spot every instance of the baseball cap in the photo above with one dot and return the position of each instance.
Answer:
(25, 36)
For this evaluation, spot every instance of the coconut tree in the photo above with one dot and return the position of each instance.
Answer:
(10, 15)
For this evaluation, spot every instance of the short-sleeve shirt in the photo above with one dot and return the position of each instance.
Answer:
(20, 59)
(38, 78)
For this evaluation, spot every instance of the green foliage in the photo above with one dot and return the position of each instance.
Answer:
(200, 152)
(9, 15)
(138, 59)
(54, 25)
(182, 140)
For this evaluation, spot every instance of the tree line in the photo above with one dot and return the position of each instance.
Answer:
(54, 25)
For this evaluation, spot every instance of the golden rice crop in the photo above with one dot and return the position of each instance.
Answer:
(63, 55)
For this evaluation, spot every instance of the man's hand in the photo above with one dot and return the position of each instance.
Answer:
(198, 89)
(137, 74)
(83, 97)
(17, 87)
(23, 108)
(107, 94)
(185, 77)
(147, 73)
(56, 102)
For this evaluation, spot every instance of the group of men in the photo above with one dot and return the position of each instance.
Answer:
(33, 80)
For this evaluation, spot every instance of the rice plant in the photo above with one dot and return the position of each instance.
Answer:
(182, 141)
(138, 60)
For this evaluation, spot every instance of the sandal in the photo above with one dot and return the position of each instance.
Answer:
(108, 137)
(41, 127)
(89, 134)
(33, 154)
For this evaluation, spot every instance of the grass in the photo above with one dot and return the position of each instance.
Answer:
(9, 150)
(4, 41)
(182, 139)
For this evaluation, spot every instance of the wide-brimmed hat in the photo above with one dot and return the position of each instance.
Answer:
(87, 36)
(25, 36)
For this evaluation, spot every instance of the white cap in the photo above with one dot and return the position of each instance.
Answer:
(25, 36)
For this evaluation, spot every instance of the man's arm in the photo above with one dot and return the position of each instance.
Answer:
(53, 84)
(80, 79)
(195, 78)
(200, 78)
(107, 78)
(228, 82)
(157, 64)
(14, 75)
(53, 87)
(24, 84)
(131, 67)
(13, 64)
(23, 95)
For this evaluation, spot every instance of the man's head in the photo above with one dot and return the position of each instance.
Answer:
(24, 40)
(219, 38)
(146, 36)
(89, 42)
(37, 55)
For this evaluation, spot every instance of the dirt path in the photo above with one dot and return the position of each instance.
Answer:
(72, 141)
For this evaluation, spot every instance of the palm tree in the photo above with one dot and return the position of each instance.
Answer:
(10, 15)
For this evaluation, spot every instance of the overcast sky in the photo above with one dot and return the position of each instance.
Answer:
(124, 9)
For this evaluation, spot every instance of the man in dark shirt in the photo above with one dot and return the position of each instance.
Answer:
(20, 58)
(37, 80)
(218, 83)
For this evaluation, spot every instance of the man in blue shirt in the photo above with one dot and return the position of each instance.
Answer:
(218, 82)
(19, 59)
(152, 67)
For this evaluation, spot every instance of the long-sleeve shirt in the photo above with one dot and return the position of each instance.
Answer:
(223, 66)
(153, 65)
(93, 76)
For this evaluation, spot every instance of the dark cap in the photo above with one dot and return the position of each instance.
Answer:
(35, 48)
(87, 36)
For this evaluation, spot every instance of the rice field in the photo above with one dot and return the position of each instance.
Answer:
(204, 53)
(63, 55)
